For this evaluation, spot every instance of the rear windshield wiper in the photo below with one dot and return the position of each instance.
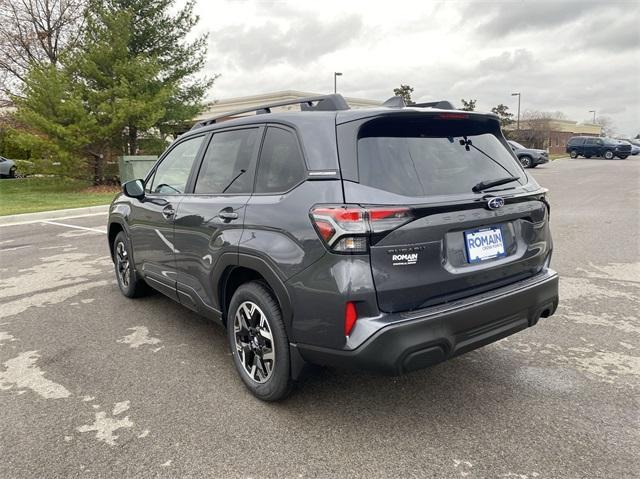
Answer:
(485, 184)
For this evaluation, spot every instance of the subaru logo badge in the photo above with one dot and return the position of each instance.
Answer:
(495, 203)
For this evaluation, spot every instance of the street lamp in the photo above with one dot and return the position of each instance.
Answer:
(594, 116)
(335, 81)
(518, 95)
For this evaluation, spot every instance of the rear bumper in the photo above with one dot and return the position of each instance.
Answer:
(422, 338)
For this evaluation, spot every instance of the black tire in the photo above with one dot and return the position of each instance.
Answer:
(573, 154)
(623, 157)
(608, 155)
(587, 156)
(248, 333)
(526, 161)
(130, 284)
(12, 172)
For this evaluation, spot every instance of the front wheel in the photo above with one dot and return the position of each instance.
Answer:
(608, 155)
(12, 172)
(573, 154)
(526, 161)
(128, 281)
(259, 343)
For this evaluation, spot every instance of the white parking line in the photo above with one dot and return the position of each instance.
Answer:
(74, 226)
(28, 222)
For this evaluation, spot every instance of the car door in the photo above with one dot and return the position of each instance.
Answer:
(209, 220)
(151, 220)
(590, 147)
(599, 146)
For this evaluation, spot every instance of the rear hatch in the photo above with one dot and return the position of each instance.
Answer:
(454, 242)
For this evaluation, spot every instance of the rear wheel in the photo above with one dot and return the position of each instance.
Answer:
(128, 281)
(259, 343)
(608, 155)
(526, 161)
(573, 154)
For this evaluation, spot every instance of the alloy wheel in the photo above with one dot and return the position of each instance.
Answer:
(254, 342)
(525, 161)
(122, 264)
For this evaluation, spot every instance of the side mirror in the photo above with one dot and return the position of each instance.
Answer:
(134, 189)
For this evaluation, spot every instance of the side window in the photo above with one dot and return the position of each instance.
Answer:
(590, 141)
(171, 175)
(226, 164)
(281, 164)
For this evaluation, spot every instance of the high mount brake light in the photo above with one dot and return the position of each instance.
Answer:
(346, 228)
(453, 116)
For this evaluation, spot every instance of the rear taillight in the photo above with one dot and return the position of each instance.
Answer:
(346, 229)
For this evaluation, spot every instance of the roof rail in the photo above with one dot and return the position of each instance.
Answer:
(333, 102)
(442, 104)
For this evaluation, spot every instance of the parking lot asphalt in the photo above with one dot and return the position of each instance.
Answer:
(93, 384)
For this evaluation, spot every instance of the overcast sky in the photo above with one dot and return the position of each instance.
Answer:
(568, 56)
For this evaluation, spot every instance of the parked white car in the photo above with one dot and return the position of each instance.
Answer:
(7, 168)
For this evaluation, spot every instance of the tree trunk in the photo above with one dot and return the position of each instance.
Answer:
(133, 140)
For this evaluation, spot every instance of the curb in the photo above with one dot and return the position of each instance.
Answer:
(25, 218)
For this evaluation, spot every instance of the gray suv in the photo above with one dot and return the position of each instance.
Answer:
(386, 239)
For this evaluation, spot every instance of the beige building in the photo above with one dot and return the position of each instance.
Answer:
(549, 134)
(220, 107)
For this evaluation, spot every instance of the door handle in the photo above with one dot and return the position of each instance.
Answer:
(168, 212)
(228, 214)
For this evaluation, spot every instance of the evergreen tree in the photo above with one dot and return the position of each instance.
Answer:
(506, 118)
(468, 105)
(405, 92)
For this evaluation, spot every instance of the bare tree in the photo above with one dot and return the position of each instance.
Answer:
(606, 125)
(535, 127)
(34, 32)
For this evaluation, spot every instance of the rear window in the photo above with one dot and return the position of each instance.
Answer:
(428, 157)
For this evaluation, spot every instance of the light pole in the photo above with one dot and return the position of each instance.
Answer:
(518, 123)
(335, 81)
(594, 116)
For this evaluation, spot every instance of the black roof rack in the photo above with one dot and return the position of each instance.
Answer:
(333, 102)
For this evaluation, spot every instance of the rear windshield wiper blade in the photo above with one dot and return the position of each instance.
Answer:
(483, 185)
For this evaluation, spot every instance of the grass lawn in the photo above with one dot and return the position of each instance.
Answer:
(28, 195)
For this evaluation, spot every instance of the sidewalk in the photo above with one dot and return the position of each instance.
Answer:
(55, 214)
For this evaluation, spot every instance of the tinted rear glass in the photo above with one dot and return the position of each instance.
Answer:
(431, 156)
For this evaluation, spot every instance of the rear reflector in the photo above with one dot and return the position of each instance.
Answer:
(350, 318)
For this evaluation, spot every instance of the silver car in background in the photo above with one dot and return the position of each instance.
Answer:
(7, 168)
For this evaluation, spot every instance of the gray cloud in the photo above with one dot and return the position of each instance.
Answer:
(305, 40)
(504, 18)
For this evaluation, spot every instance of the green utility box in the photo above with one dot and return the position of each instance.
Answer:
(135, 167)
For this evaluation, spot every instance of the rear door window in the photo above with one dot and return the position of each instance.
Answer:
(429, 157)
(281, 166)
(226, 167)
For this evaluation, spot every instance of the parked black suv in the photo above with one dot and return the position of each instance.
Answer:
(589, 146)
(387, 239)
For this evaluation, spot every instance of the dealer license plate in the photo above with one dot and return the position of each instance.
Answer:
(483, 244)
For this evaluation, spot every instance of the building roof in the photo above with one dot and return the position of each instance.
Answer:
(220, 107)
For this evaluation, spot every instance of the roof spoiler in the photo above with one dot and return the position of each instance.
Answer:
(398, 102)
(333, 102)
(442, 105)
